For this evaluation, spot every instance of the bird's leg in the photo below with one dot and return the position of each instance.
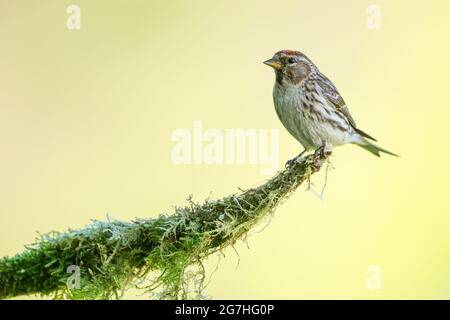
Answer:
(323, 150)
(295, 159)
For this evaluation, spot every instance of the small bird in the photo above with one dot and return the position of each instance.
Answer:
(311, 108)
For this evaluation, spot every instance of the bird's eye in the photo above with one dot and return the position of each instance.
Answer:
(291, 60)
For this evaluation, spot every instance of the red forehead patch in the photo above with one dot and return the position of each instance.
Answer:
(290, 53)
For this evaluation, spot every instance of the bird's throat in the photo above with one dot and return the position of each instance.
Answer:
(279, 76)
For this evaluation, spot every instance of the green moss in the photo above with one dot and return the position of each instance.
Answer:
(114, 256)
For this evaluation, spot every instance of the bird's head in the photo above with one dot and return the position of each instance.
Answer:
(291, 67)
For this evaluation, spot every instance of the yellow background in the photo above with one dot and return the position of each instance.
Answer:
(86, 118)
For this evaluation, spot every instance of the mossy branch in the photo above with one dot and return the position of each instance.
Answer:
(113, 256)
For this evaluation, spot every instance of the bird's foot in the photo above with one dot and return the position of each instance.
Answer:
(297, 159)
(290, 162)
(323, 152)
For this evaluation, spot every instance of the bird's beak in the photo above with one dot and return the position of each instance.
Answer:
(274, 63)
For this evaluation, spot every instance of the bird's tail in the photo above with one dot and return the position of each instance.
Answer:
(374, 149)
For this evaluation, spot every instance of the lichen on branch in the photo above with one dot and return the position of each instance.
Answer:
(113, 256)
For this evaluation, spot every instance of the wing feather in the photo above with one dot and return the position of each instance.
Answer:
(332, 95)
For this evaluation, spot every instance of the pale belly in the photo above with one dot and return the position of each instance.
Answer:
(312, 130)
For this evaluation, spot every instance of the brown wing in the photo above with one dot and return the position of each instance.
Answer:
(331, 93)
